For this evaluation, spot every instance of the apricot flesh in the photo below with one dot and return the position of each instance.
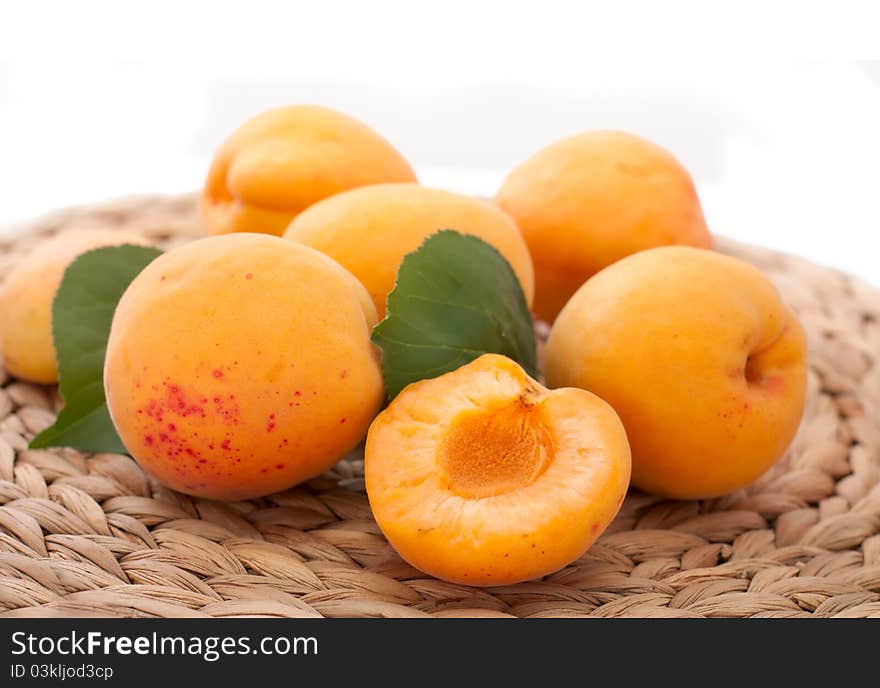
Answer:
(241, 365)
(280, 162)
(484, 477)
(27, 295)
(700, 357)
(587, 201)
(370, 230)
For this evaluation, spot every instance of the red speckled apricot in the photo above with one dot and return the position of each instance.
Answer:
(224, 369)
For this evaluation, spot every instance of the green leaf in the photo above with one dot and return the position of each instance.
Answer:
(456, 298)
(81, 314)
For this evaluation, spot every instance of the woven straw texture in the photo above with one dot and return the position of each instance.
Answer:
(94, 536)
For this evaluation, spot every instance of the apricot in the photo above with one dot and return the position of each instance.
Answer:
(281, 161)
(484, 477)
(370, 230)
(700, 357)
(27, 295)
(590, 200)
(241, 365)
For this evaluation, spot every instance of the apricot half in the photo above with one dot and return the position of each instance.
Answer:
(27, 295)
(370, 230)
(280, 162)
(700, 357)
(589, 200)
(241, 365)
(484, 477)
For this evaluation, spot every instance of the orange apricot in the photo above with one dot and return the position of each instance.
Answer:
(280, 162)
(27, 295)
(370, 230)
(484, 477)
(240, 365)
(700, 357)
(590, 200)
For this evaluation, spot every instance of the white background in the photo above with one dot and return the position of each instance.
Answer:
(105, 99)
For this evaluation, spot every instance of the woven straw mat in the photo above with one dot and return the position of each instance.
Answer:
(94, 536)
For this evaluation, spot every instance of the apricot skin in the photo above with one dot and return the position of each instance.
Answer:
(370, 230)
(241, 365)
(700, 357)
(483, 477)
(282, 161)
(27, 295)
(589, 200)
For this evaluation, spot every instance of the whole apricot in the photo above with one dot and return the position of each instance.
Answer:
(27, 295)
(484, 477)
(280, 162)
(370, 230)
(590, 200)
(240, 365)
(700, 357)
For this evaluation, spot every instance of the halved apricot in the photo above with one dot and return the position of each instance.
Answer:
(484, 477)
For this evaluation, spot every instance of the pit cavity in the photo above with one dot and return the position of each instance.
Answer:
(493, 451)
